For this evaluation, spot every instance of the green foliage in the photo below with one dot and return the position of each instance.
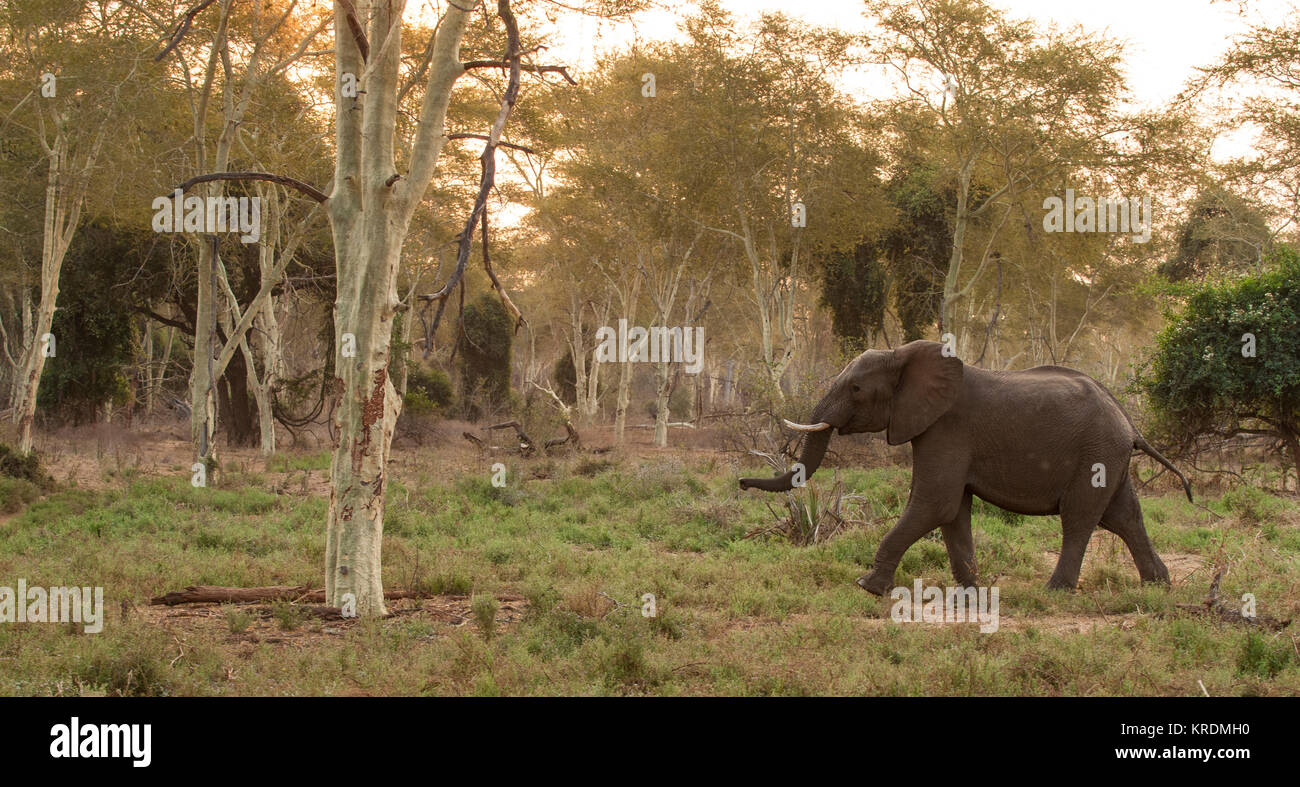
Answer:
(1251, 505)
(428, 391)
(679, 404)
(93, 325)
(286, 615)
(484, 352)
(854, 288)
(1222, 233)
(484, 609)
(566, 378)
(917, 247)
(15, 493)
(26, 467)
(1199, 381)
(1264, 656)
(981, 508)
(130, 672)
(237, 619)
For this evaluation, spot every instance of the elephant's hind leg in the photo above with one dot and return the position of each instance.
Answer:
(960, 542)
(1080, 513)
(1074, 543)
(1123, 517)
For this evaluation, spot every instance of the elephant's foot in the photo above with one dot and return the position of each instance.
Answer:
(1161, 578)
(1156, 574)
(1059, 583)
(877, 583)
(966, 580)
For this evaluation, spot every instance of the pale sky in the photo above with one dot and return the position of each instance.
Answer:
(1165, 39)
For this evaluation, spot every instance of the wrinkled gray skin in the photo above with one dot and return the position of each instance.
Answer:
(1026, 441)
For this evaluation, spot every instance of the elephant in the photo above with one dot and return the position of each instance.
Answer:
(1046, 440)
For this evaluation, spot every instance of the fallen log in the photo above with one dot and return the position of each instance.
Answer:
(215, 594)
(1214, 607)
(571, 438)
(526, 444)
(1233, 616)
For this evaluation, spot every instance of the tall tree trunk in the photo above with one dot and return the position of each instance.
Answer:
(628, 295)
(370, 211)
(203, 405)
(951, 282)
(663, 387)
(146, 364)
(592, 399)
(234, 405)
(774, 293)
(65, 193)
(578, 352)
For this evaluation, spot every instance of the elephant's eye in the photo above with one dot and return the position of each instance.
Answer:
(857, 388)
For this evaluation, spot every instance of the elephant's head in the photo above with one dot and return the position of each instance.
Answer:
(903, 391)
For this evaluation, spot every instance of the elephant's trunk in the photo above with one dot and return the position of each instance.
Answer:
(814, 450)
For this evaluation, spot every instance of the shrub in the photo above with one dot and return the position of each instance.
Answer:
(26, 467)
(16, 493)
(287, 615)
(237, 619)
(1263, 656)
(566, 378)
(484, 351)
(484, 610)
(428, 392)
(129, 673)
(1203, 378)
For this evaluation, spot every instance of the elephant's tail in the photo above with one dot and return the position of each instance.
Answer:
(1142, 445)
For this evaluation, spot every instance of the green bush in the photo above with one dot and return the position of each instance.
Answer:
(93, 326)
(16, 493)
(484, 609)
(1264, 656)
(679, 404)
(130, 672)
(1251, 505)
(428, 392)
(484, 350)
(979, 506)
(26, 467)
(1204, 379)
(566, 378)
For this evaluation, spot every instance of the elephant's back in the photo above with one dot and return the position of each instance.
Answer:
(1055, 396)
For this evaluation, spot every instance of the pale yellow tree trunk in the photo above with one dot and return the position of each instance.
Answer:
(370, 211)
(578, 352)
(65, 193)
(628, 296)
(203, 407)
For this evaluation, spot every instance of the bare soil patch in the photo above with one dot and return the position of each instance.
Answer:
(263, 622)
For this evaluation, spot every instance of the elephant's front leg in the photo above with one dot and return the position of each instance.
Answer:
(922, 515)
(959, 540)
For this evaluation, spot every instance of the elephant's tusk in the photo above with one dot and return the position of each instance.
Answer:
(807, 427)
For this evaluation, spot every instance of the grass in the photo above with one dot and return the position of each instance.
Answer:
(583, 544)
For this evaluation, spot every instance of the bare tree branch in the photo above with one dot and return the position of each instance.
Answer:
(283, 180)
(181, 29)
(484, 137)
(496, 283)
(354, 24)
(487, 160)
(508, 63)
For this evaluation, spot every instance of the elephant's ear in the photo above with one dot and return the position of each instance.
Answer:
(928, 385)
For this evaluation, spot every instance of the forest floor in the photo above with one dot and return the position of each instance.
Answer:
(536, 587)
